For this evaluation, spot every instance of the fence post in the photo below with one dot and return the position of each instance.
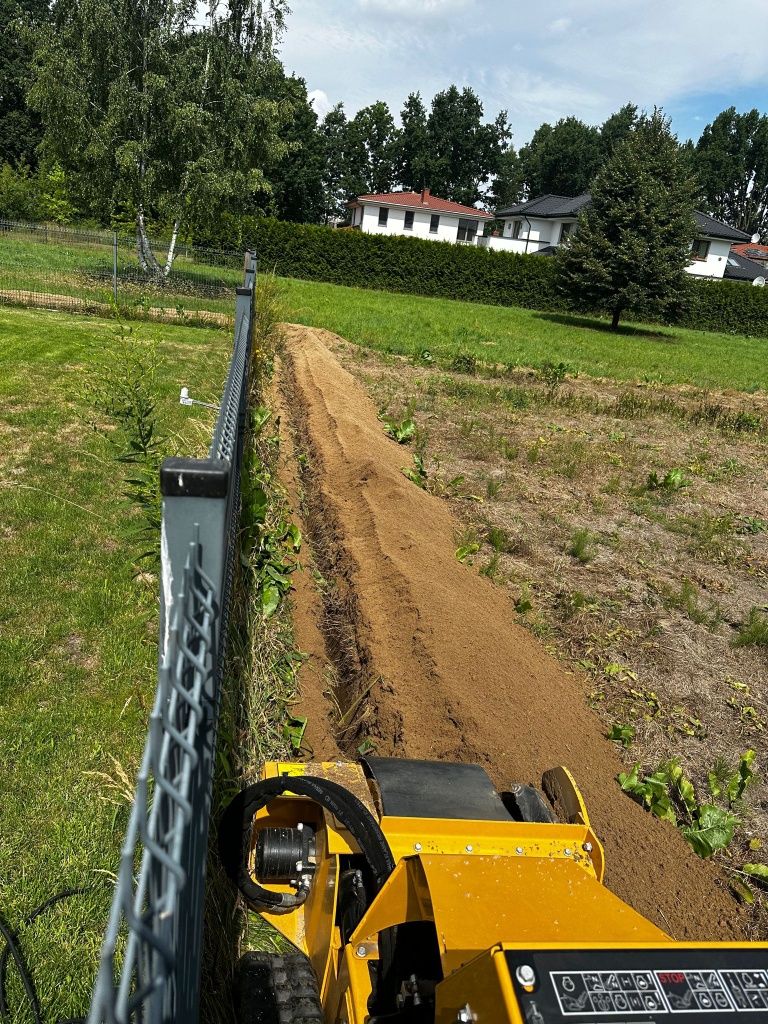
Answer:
(114, 266)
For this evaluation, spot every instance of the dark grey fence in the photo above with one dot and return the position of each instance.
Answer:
(66, 268)
(150, 960)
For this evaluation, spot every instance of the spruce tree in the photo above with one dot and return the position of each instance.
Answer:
(633, 241)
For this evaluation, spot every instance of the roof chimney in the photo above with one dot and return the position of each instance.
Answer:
(424, 195)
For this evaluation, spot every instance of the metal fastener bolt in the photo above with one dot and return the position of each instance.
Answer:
(526, 975)
(587, 847)
(519, 850)
(361, 951)
(417, 847)
(469, 847)
(568, 851)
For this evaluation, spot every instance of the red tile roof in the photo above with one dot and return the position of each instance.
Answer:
(421, 201)
(752, 250)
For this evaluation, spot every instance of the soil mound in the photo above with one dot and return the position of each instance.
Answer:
(430, 661)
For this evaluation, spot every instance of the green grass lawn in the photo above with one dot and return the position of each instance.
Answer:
(78, 657)
(84, 271)
(408, 325)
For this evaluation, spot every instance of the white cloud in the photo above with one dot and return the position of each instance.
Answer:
(541, 62)
(320, 102)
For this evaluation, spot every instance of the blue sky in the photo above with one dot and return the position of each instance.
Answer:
(539, 61)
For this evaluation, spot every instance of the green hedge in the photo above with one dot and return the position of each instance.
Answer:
(421, 267)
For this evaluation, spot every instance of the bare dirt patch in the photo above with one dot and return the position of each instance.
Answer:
(429, 657)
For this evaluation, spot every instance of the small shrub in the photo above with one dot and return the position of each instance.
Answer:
(554, 374)
(402, 431)
(464, 362)
(493, 487)
(582, 546)
(492, 568)
(623, 734)
(687, 599)
(509, 450)
(753, 632)
(673, 480)
(752, 524)
(671, 796)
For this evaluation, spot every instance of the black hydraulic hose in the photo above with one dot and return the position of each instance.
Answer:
(237, 822)
(13, 950)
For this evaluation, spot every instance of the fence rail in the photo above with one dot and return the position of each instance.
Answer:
(150, 961)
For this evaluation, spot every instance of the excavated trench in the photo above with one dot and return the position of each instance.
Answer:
(413, 652)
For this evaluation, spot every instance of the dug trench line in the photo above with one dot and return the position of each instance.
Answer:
(429, 659)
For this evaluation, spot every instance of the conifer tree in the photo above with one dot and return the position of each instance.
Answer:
(633, 241)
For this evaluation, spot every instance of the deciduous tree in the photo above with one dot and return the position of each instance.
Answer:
(732, 166)
(465, 151)
(147, 109)
(561, 159)
(633, 241)
(413, 157)
(20, 129)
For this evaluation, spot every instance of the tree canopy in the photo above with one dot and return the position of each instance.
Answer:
(152, 114)
(634, 238)
(732, 166)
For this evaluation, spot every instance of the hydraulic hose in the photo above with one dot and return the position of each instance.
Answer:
(237, 823)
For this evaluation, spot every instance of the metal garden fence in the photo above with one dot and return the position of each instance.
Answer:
(150, 961)
(67, 268)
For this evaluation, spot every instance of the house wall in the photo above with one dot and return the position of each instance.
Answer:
(446, 232)
(716, 261)
(548, 232)
(543, 231)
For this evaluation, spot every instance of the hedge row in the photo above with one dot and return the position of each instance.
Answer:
(421, 267)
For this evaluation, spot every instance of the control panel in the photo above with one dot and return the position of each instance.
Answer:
(715, 985)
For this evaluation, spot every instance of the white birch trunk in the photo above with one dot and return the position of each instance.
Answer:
(171, 250)
(147, 258)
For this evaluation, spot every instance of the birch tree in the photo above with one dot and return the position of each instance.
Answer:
(162, 109)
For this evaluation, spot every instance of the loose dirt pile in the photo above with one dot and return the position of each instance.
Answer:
(423, 658)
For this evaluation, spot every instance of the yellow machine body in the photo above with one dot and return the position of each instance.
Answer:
(504, 896)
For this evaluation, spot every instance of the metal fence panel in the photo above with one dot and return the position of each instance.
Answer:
(99, 271)
(150, 961)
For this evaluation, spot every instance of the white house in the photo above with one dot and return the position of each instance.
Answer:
(541, 224)
(419, 215)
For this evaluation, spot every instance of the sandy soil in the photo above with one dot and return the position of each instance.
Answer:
(411, 651)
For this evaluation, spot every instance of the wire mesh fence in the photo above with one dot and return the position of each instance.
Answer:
(150, 962)
(95, 271)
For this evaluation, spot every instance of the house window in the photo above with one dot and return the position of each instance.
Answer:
(700, 249)
(383, 216)
(467, 231)
(565, 230)
(516, 228)
(409, 220)
(434, 223)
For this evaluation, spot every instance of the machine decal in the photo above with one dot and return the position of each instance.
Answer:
(688, 991)
(610, 993)
(748, 989)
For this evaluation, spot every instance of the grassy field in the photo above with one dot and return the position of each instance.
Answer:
(79, 613)
(409, 325)
(84, 271)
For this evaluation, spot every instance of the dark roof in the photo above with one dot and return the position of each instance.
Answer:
(739, 268)
(571, 206)
(547, 206)
(716, 229)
